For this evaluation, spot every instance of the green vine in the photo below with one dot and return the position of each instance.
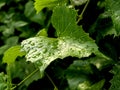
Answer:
(80, 17)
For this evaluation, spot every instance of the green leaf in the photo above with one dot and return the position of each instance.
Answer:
(64, 21)
(71, 41)
(86, 85)
(40, 4)
(29, 10)
(8, 43)
(79, 74)
(18, 24)
(2, 3)
(113, 8)
(44, 50)
(115, 82)
(31, 14)
(3, 49)
(98, 86)
(42, 32)
(12, 40)
(11, 54)
(3, 81)
(100, 62)
(8, 31)
(103, 26)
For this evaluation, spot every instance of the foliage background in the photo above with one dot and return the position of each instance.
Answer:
(19, 21)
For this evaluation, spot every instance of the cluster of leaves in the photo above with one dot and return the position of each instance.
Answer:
(75, 52)
(18, 21)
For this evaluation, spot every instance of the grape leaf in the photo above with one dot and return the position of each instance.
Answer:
(113, 8)
(79, 74)
(100, 62)
(71, 41)
(45, 50)
(40, 4)
(103, 26)
(115, 82)
(11, 54)
(64, 21)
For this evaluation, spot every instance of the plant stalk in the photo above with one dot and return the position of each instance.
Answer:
(9, 80)
(26, 78)
(81, 15)
(55, 87)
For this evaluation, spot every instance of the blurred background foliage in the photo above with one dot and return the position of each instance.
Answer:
(18, 21)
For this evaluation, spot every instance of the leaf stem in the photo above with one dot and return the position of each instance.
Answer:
(9, 76)
(81, 15)
(55, 87)
(26, 78)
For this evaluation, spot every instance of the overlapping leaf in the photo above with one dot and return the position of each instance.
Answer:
(9, 57)
(114, 9)
(3, 81)
(40, 4)
(79, 76)
(103, 25)
(64, 21)
(115, 82)
(71, 41)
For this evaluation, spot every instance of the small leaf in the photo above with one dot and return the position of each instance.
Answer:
(42, 32)
(29, 10)
(98, 85)
(3, 49)
(3, 81)
(100, 62)
(11, 54)
(115, 82)
(113, 7)
(31, 14)
(40, 4)
(12, 40)
(8, 43)
(103, 26)
(78, 75)
(2, 3)
(20, 24)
